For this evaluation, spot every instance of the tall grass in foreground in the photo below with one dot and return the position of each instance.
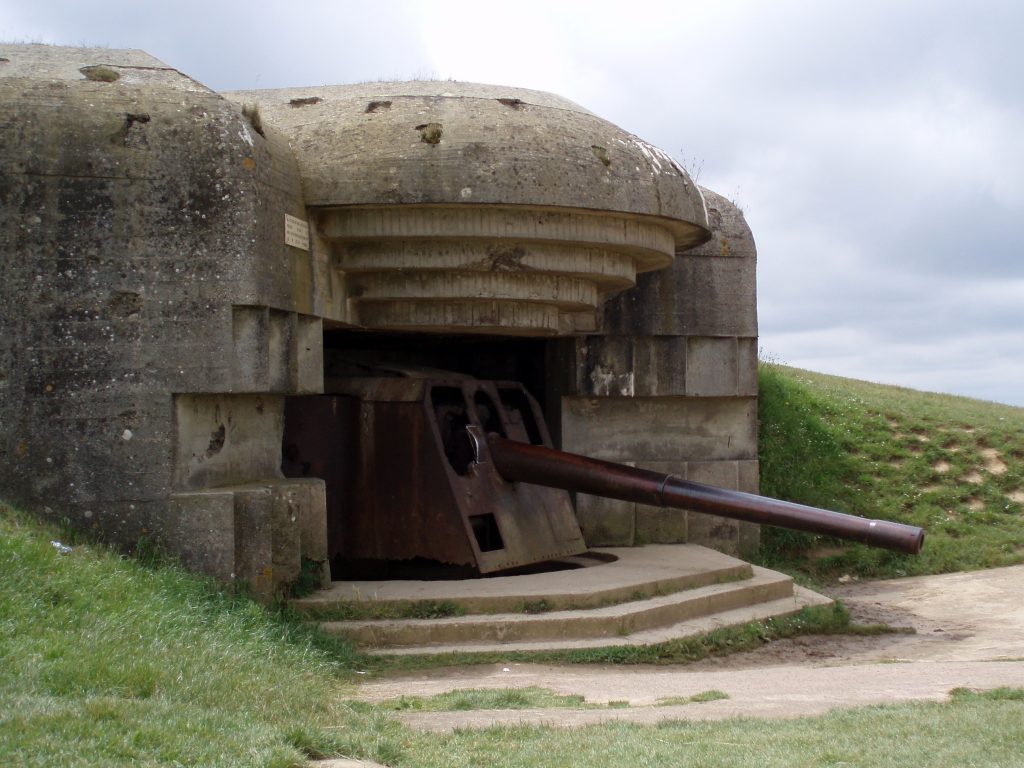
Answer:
(104, 661)
(951, 465)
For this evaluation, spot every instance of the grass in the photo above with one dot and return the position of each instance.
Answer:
(485, 698)
(100, 74)
(712, 695)
(978, 730)
(951, 465)
(251, 112)
(112, 661)
(107, 661)
(996, 694)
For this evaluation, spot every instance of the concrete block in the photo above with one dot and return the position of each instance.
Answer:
(276, 351)
(309, 342)
(748, 476)
(746, 367)
(659, 525)
(313, 520)
(250, 365)
(286, 506)
(579, 322)
(256, 533)
(606, 522)
(313, 527)
(254, 530)
(724, 474)
(659, 366)
(713, 297)
(749, 540)
(227, 439)
(708, 291)
(715, 532)
(330, 288)
(662, 366)
(660, 428)
(200, 528)
(605, 366)
(299, 527)
(301, 271)
(712, 531)
(282, 355)
(712, 367)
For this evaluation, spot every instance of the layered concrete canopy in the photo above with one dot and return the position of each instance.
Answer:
(177, 264)
(477, 208)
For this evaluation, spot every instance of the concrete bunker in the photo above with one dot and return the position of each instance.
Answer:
(176, 286)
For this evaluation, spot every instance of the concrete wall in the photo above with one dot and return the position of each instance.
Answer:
(670, 384)
(144, 265)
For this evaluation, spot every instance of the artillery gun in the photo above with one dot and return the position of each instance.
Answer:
(462, 471)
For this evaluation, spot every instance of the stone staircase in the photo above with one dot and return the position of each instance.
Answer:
(606, 597)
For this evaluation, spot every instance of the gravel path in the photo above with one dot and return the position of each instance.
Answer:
(969, 633)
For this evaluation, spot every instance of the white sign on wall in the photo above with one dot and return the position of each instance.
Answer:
(296, 232)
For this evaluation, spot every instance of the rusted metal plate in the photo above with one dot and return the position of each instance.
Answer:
(317, 430)
(403, 506)
(511, 524)
(403, 483)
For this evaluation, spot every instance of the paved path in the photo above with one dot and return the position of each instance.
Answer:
(969, 633)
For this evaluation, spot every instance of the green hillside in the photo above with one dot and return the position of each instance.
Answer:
(951, 465)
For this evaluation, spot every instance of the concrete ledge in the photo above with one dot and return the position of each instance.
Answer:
(657, 593)
(259, 532)
(637, 572)
(609, 623)
(786, 606)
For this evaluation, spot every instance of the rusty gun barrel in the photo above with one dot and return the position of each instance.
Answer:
(523, 462)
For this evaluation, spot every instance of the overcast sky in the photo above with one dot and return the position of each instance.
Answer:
(876, 148)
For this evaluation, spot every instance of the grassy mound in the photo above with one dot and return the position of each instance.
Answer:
(948, 464)
(109, 662)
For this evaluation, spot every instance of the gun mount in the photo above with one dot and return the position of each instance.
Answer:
(461, 471)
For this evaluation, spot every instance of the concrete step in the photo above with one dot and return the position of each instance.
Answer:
(603, 577)
(786, 606)
(610, 623)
